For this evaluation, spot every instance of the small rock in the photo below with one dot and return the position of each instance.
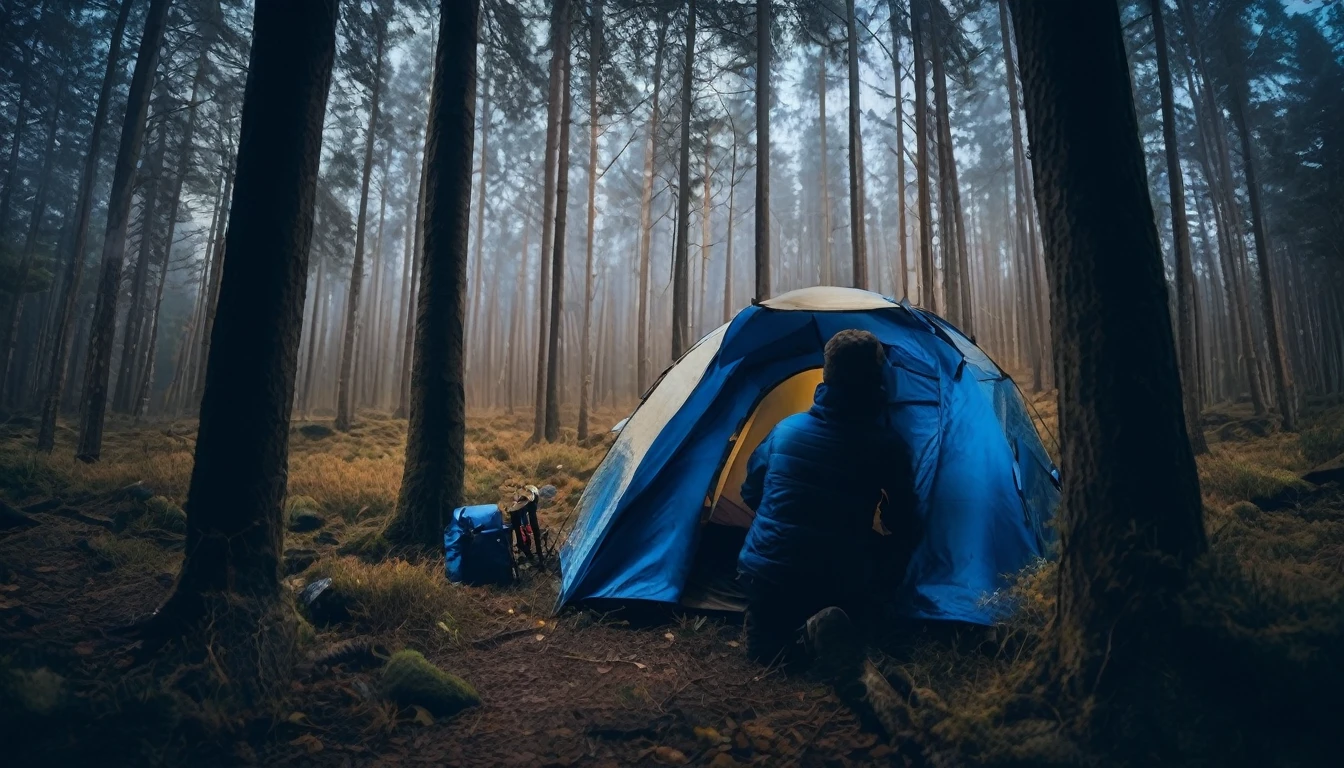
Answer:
(323, 604)
(547, 491)
(1330, 472)
(137, 491)
(305, 520)
(410, 680)
(316, 431)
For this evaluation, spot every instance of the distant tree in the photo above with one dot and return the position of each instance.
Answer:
(554, 101)
(98, 367)
(554, 328)
(763, 97)
(585, 353)
(435, 466)
(1131, 510)
(681, 295)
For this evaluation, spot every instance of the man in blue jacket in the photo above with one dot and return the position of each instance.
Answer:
(816, 483)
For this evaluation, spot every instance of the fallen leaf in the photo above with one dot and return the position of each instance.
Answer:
(640, 666)
(603, 670)
(541, 622)
(669, 756)
(865, 740)
(510, 611)
(296, 717)
(724, 760)
(539, 638)
(709, 735)
(309, 742)
(6, 604)
(880, 751)
(669, 636)
(422, 715)
(733, 643)
(9, 587)
(445, 628)
(85, 648)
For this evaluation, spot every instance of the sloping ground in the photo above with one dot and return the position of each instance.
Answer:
(583, 689)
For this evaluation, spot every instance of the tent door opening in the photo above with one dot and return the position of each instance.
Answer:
(725, 518)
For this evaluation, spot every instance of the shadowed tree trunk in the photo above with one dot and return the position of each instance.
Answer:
(585, 351)
(858, 237)
(417, 250)
(559, 43)
(681, 258)
(216, 271)
(728, 255)
(474, 318)
(431, 484)
(1180, 232)
(947, 240)
(99, 363)
(555, 328)
(1131, 514)
(11, 328)
(894, 15)
(763, 96)
(228, 594)
(928, 280)
(646, 216)
(345, 402)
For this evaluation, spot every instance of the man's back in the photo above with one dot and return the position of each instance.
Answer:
(815, 483)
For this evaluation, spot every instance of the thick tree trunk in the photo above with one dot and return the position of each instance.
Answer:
(551, 431)
(10, 330)
(894, 15)
(98, 367)
(681, 258)
(645, 218)
(763, 96)
(236, 498)
(928, 279)
(1180, 232)
(345, 403)
(858, 237)
(585, 351)
(436, 438)
(1126, 545)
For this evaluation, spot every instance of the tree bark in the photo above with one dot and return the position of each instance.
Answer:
(559, 44)
(152, 176)
(823, 184)
(435, 468)
(947, 236)
(1278, 359)
(236, 497)
(1126, 545)
(858, 237)
(10, 330)
(216, 272)
(894, 13)
(728, 256)
(551, 431)
(645, 217)
(681, 258)
(928, 280)
(585, 351)
(706, 240)
(98, 366)
(1180, 232)
(473, 323)
(763, 96)
(345, 405)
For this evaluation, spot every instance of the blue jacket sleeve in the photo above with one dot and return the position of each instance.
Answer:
(754, 486)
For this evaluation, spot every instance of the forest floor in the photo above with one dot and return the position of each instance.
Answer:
(103, 543)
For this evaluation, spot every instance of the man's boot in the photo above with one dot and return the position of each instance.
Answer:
(840, 659)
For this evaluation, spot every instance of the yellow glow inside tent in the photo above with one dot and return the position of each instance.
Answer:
(793, 395)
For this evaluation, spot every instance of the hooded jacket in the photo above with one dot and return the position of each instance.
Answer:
(816, 482)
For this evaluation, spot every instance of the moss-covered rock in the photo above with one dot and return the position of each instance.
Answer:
(305, 520)
(409, 679)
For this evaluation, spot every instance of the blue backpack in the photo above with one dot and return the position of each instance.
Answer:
(476, 547)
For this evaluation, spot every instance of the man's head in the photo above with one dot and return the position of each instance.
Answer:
(854, 361)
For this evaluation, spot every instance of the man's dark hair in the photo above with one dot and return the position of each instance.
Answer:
(854, 360)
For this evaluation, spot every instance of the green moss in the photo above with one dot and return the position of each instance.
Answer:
(297, 503)
(38, 691)
(1325, 440)
(162, 513)
(1239, 480)
(409, 679)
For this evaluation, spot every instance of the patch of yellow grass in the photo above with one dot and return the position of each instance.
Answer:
(397, 595)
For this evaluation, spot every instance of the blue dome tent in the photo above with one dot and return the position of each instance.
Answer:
(661, 519)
